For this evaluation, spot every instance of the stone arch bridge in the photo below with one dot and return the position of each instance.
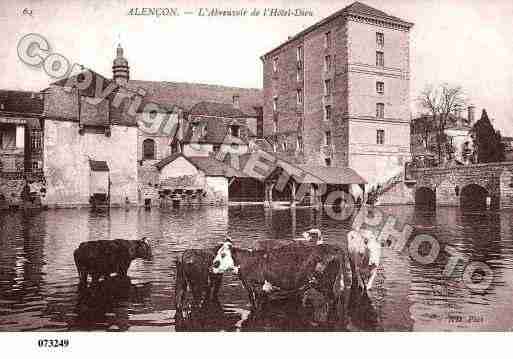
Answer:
(466, 186)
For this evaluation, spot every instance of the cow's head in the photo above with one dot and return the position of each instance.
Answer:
(365, 253)
(143, 249)
(223, 261)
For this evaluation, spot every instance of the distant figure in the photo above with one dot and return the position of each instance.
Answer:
(127, 204)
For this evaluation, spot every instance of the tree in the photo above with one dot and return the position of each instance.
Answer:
(487, 141)
(441, 101)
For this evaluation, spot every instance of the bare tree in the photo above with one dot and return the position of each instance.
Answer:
(441, 101)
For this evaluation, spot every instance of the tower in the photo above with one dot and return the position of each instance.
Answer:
(120, 68)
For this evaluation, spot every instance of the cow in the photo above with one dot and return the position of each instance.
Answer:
(193, 274)
(103, 257)
(364, 256)
(288, 271)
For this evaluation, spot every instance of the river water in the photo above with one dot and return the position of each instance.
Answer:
(39, 291)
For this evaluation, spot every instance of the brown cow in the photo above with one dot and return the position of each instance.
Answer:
(193, 274)
(289, 271)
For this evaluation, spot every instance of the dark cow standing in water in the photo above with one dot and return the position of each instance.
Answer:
(289, 271)
(104, 257)
(193, 274)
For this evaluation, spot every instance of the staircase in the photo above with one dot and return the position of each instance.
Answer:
(383, 188)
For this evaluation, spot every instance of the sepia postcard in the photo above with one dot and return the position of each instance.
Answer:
(255, 166)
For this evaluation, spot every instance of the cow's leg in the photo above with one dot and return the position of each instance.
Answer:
(95, 277)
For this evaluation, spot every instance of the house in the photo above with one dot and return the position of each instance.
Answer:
(21, 150)
(457, 144)
(216, 127)
(337, 93)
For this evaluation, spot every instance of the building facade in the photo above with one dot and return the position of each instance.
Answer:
(337, 94)
(21, 147)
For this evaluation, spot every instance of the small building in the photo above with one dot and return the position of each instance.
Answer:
(187, 180)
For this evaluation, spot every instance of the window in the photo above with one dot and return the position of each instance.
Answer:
(380, 137)
(300, 143)
(216, 148)
(299, 53)
(35, 165)
(174, 147)
(298, 75)
(35, 140)
(380, 87)
(327, 161)
(327, 39)
(275, 64)
(327, 113)
(236, 102)
(235, 146)
(327, 63)
(380, 40)
(148, 149)
(299, 96)
(380, 110)
(327, 138)
(275, 103)
(327, 87)
(275, 125)
(380, 59)
(284, 145)
(235, 130)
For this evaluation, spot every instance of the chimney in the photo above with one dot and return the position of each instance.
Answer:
(236, 103)
(471, 114)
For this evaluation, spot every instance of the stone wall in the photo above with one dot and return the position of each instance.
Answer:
(66, 163)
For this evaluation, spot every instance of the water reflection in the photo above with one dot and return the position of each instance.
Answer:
(39, 283)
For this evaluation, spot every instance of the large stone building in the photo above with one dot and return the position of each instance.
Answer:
(337, 93)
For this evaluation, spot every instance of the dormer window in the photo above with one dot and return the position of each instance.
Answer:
(235, 130)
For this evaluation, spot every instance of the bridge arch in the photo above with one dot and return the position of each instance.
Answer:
(473, 197)
(425, 197)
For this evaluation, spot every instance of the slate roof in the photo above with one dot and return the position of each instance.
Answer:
(356, 8)
(208, 165)
(186, 95)
(98, 166)
(216, 109)
(22, 102)
(300, 172)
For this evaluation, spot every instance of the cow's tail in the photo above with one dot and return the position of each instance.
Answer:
(82, 273)
(180, 288)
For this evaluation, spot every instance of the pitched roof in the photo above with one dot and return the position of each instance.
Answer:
(302, 173)
(99, 166)
(186, 95)
(356, 8)
(208, 165)
(216, 109)
(23, 102)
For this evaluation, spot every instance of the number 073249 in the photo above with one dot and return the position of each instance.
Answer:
(53, 343)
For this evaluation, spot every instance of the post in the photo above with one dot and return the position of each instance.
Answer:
(293, 194)
(20, 136)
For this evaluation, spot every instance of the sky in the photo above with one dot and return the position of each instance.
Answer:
(461, 42)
